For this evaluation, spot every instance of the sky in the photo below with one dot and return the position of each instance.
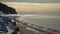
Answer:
(34, 6)
(33, 1)
(29, 5)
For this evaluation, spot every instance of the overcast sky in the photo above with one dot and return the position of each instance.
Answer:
(35, 1)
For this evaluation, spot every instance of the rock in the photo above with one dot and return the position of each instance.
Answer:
(6, 9)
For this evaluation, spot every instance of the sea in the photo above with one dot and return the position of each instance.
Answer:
(46, 19)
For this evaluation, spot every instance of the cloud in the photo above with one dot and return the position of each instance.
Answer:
(35, 6)
(33, 1)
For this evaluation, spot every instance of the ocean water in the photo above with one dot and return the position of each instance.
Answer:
(45, 19)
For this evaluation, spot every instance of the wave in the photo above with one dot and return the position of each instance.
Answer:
(39, 16)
